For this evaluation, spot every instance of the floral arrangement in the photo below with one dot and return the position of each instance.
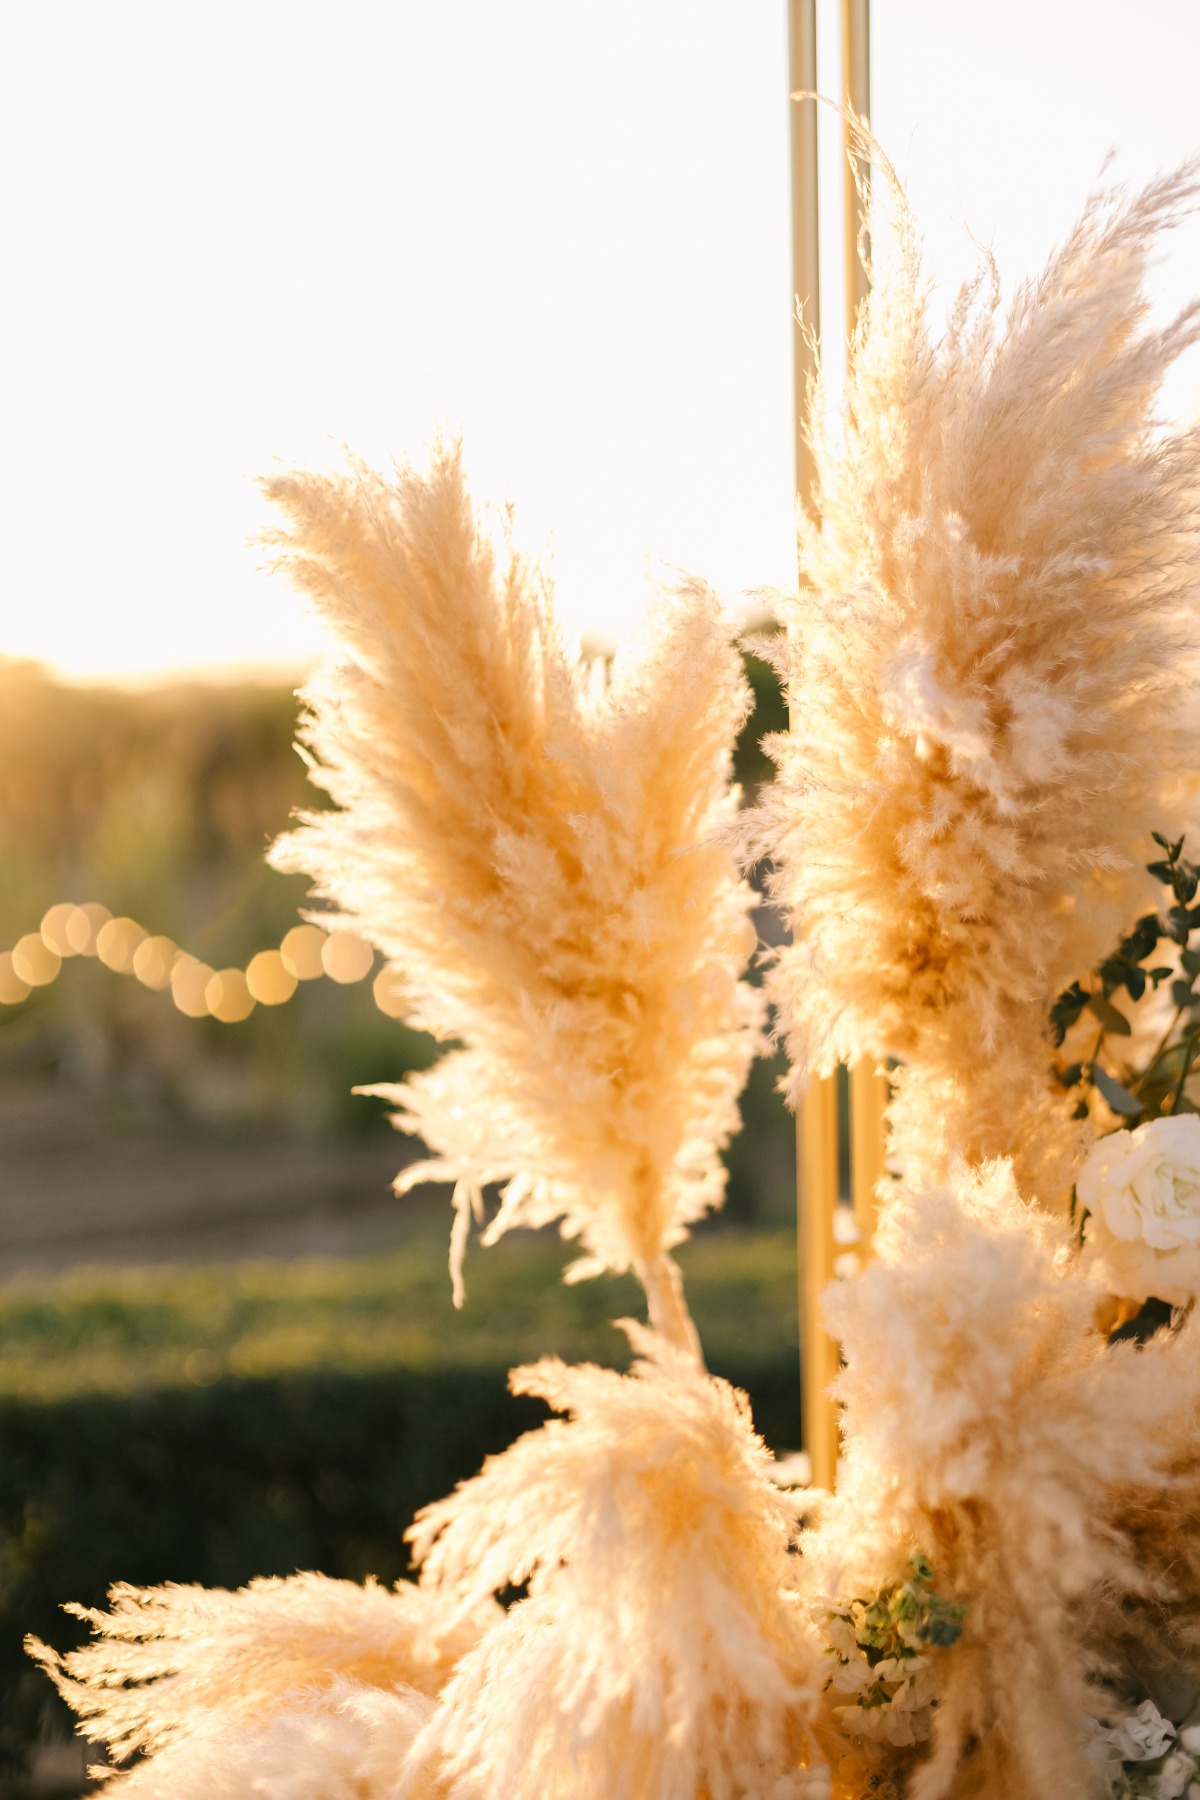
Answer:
(993, 670)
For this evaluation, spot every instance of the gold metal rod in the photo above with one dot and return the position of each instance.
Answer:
(819, 1357)
(806, 249)
(816, 1123)
(868, 1098)
(856, 94)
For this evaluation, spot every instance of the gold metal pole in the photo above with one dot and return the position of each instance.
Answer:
(856, 94)
(816, 1123)
(868, 1145)
(818, 1195)
(806, 247)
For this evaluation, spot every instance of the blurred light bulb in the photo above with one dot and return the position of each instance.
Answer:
(153, 960)
(301, 952)
(189, 986)
(269, 979)
(117, 943)
(84, 924)
(391, 992)
(12, 989)
(34, 961)
(54, 928)
(229, 997)
(346, 956)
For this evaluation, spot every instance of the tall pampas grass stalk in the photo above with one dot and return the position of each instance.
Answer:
(532, 843)
(986, 665)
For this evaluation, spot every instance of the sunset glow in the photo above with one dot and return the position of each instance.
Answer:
(257, 233)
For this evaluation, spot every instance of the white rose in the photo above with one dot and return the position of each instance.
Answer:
(1142, 1190)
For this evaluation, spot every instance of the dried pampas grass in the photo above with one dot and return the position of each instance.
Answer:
(531, 843)
(987, 668)
(986, 1424)
(660, 1652)
(204, 1683)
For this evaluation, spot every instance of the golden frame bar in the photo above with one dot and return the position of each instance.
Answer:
(817, 1195)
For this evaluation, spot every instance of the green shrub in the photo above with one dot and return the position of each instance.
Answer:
(215, 1424)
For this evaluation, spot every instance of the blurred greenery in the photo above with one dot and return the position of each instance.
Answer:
(212, 1424)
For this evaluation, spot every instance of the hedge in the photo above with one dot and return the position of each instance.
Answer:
(215, 1467)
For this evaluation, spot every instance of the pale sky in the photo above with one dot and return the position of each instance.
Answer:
(245, 232)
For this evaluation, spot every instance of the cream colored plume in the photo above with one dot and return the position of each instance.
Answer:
(991, 667)
(306, 1681)
(987, 1426)
(659, 1653)
(531, 844)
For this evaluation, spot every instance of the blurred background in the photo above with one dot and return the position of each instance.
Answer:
(256, 233)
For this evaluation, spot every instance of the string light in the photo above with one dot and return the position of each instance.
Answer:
(199, 991)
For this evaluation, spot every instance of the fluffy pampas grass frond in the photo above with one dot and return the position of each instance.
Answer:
(532, 843)
(987, 665)
(987, 1426)
(659, 1653)
(282, 1684)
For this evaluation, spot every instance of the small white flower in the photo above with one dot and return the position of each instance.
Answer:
(1174, 1778)
(1142, 1736)
(1142, 1190)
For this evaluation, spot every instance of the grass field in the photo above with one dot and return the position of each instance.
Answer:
(115, 1330)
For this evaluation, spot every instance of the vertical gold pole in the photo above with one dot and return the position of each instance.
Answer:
(868, 1098)
(806, 248)
(868, 1085)
(816, 1142)
(856, 94)
(818, 1196)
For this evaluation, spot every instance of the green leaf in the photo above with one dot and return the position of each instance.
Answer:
(1181, 993)
(1109, 1017)
(1118, 1096)
(1191, 961)
(1066, 1010)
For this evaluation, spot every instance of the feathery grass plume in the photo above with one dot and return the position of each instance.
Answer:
(987, 666)
(175, 1664)
(532, 845)
(345, 1743)
(985, 1427)
(658, 1654)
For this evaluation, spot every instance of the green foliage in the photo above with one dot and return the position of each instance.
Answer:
(903, 1619)
(1159, 1087)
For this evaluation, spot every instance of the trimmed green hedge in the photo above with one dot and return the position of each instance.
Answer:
(213, 1425)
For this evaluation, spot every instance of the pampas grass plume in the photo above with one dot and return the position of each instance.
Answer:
(988, 666)
(532, 843)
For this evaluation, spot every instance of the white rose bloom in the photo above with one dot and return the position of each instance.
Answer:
(1142, 1190)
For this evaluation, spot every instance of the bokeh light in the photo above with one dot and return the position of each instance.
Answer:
(229, 997)
(189, 986)
(153, 961)
(391, 992)
(269, 979)
(301, 952)
(346, 957)
(83, 926)
(117, 944)
(54, 928)
(33, 961)
(12, 989)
